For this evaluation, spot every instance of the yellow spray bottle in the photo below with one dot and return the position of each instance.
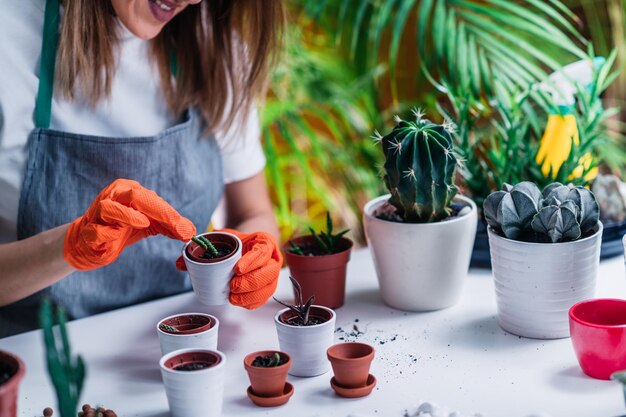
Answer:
(561, 130)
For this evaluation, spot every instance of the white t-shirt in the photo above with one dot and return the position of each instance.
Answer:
(136, 107)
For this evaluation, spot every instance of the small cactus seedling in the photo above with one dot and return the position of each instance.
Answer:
(206, 244)
(420, 164)
(66, 371)
(327, 242)
(269, 361)
(302, 310)
(168, 328)
(558, 214)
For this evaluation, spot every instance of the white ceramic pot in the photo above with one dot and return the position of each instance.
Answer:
(537, 283)
(210, 281)
(307, 345)
(194, 393)
(421, 266)
(204, 339)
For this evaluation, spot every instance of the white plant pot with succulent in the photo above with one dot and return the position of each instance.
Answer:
(421, 234)
(545, 252)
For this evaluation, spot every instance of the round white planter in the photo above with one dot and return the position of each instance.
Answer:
(211, 281)
(537, 283)
(420, 266)
(194, 393)
(202, 340)
(306, 345)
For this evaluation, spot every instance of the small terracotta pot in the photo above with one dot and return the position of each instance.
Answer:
(219, 240)
(351, 363)
(323, 276)
(8, 391)
(188, 323)
(267, 382)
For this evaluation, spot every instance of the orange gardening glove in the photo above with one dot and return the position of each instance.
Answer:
(256, 272)
(123, 213)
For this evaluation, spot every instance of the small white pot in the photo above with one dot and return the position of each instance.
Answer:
(307, 345)
(211, 281)
(537, 283)
(194, 393)
(420, 266)
(205, 339)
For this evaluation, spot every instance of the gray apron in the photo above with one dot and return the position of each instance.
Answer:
(66, 171)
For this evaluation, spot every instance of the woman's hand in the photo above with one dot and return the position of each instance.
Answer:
(123, 213)
(256, 273)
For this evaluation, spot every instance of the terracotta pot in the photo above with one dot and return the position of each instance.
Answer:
(306, 345)
(323, 276)
(8, 391)
(210, 278)
(351, 363)
(267, 382)
(197, 393)
(195, 330)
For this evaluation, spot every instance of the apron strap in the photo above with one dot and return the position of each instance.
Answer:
(49, 43)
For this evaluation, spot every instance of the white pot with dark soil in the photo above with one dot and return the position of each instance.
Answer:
(210, 259)
(545, 253)
(194, 382)
(421, 234)
(188, 330)
(305, 331)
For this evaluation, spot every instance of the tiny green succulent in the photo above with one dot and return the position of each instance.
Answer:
(300, 308)
(558, 214)
(205, 244)
(420, 165)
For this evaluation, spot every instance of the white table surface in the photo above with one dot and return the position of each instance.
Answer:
(457, 357)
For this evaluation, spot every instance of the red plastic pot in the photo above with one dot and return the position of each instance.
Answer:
(9, 390)
(221, 241)
(267, 382)
(323, 276)
(598, 331)
(351, 363)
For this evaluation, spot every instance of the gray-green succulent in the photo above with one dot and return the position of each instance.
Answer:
(420, 164)
(558, 214)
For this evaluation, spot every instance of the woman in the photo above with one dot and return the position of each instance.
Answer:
(104, 104)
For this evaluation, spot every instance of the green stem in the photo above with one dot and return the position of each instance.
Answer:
(208, 245)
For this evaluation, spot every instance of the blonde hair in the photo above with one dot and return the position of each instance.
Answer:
(222, 49)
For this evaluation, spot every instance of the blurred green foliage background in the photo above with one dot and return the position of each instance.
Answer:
(349, 66)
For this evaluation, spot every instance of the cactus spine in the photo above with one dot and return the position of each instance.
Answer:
(66, 372)
(420, 164)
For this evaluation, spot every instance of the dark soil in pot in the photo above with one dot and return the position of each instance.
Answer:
(388, 212)
(316, 316)
(226, 246)
(322, 275)
(186, 324)
(269, 361)
(6, 373)
(192, 361)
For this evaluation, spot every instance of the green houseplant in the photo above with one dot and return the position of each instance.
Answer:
(421, 233)
(319, 262)
(545, 252)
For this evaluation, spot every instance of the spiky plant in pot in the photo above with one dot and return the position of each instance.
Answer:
(420, 165)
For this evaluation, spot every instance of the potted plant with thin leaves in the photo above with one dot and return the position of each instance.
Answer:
(210, 259)
(421, 233)
(305, 332)
(545, 252)
(319, 262)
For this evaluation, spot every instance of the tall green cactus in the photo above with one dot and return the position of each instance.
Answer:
(66, 372)
(419, 169)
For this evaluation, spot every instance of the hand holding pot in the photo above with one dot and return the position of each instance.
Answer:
(256, 272)
(122, 214)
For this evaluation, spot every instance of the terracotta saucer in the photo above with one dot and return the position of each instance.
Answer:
(354, 392)
(271, 401)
